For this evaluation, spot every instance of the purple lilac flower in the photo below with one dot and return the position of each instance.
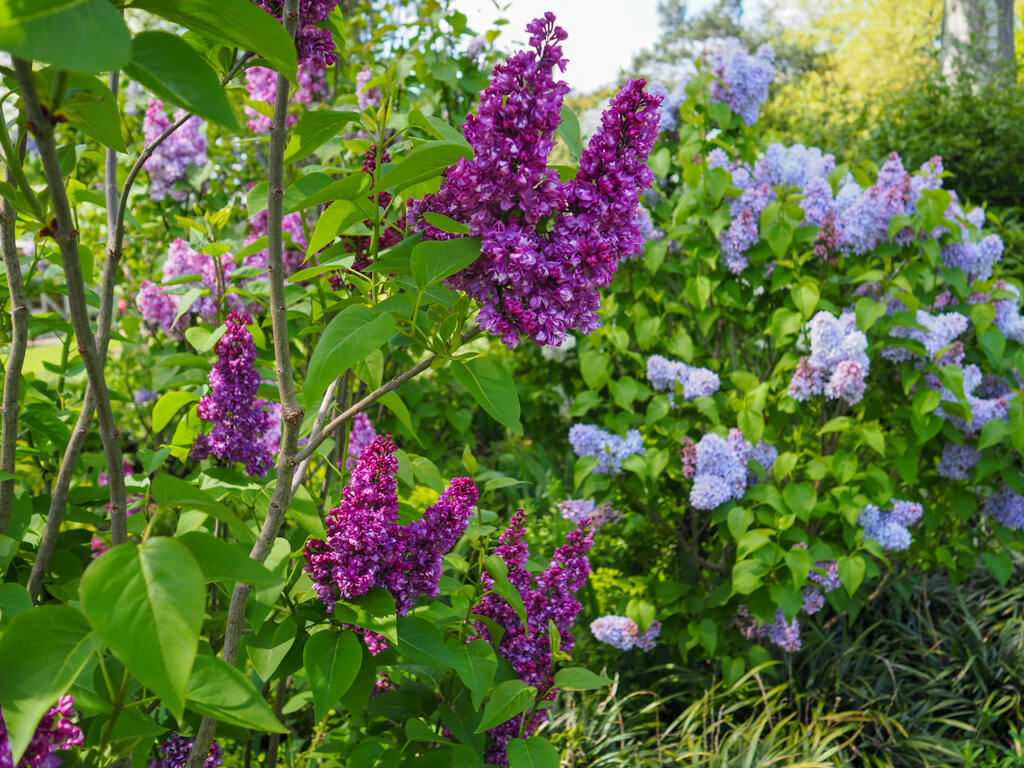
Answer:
(721, 474)
(958, 461)
(623, 633)
(1007, 507)
(838, 363)
(548, 597)
(741, 235)
(239, 419)
(695, 382)
(55, 733)
(793, 166)
(366, 97)
(785, 634)
(314, 45)
(578, 510)
(688, 457)
(864, 215)
(984, 405)
(291, 227)
(171, 159)
(547, 246)
(889, 529)
(366, 546)
(938, 332)
(742, 80)
(360, 436)
(261, 84)
(1007, 310)
(813, 600)
(765, 455)
(826, 575)
(975, 258)
(671, 102)
(144, 395)
(609, 450)
(475, 47)
(175, 751)
(817, 202)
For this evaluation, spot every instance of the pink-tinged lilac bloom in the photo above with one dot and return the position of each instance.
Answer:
(578, 510)
(360, 436)
(623, 633)
(688, 457)
(609, 450)
(695, 382)
(889, 529)
(291, 228)
(784, 634)
(547, 597)
(367, 97)
(175, 750)
(547, 246)
(366, 545)
(170, 161)
(239, 419)
(55, 733)
(826, 575)
(742, 80)
(261, 84)
(838, 363)
(1007, 507)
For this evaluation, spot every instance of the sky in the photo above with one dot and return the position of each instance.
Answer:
(603, 34)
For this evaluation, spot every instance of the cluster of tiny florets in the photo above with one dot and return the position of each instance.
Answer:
(889, 528)
(695, 382)
(720, 468)
(54, 733)
(609, 450)
(622, 632)
(174, 752)
(742, 80)
(171, 159)
(837, 365)
(578, 510)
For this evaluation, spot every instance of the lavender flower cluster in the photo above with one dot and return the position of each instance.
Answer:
(988, 398)
(936, 333)
(175, 750)
(889, 529)
(958, 461)
(609, 450)
(623, 633)
(838, 363)
(242, 428)
(366, 97)
(671, 102)
(547, 245)
(261, 85)
(314, 45)
(1007, 507)
(719, 467)
(291, 227)
(56, 732)
(366, 545)
(171, 159)
(360, 436)
(742, 80)
(598, 515)
(695, 382)
(548, 597)
(158, 307)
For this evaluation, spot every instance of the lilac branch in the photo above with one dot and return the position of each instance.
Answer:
(12, 375)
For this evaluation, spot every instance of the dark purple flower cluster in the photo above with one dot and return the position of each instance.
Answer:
(174, 753)
(547, 245)
(314, 45)
(548, 597)
(240, 421)
(54, 733)
(366, 546)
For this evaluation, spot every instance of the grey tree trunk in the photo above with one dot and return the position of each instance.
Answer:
(977, 39)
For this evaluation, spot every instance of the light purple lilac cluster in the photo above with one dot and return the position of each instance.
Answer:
(720, 468)
(623, 633)
(988, 397)
(359, 437)
(261, 85)
(937, 334)
(171, 159)
(291, 227)
(609, 450)
(314, 45)
(547, 245)
(838, 363)
(366, 97)
(742, 80)
(671, 102)
(695, 382)
(578, 510)
(136, 502)
(366, 545)
(175, 750)
(1006, 308)
(958, 461)
(241, 422)
(1007, 507)
(889, 528)
(158, 307)
(550, 596)
(55, 733)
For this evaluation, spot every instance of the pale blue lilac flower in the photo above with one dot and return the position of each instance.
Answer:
(793, 166)
(578, 510)
(623, 633)
(547, 245)
(1007, 507)
(958, 461)
(721, 474)
(984, 405)
(170, 161)
(826, 575)
(144, 395)
(864, 216)
(717, 158)
(975, 258)
(609, 450)
(55, 733)
(548, 597)
(838, 363)
(765, 455)
(176, 749)
(889, 529)
(475, 47)
(813, 600)
(738, 238)
(817, 201)
(938, 332)
(742, 80)
(671, 102)
(785, 634)
(695, 382)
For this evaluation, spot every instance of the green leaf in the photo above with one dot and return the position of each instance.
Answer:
(235, 22)
(799, 563)
(493, 388)
(374, 611)
(222, 692)
(476, 665)
(14, 599)
(147, 603)
(595, 368)
(336, 220)
(174, 493)
(498, 570)
(42, 651)
(747, 575)
(424, 162)
(579, 679)
(569, 130)
(1001, 566)
(204, 339)
(88, 105)
(174, 71)
(331, 660)
(434, 260)
(353, 334)
(312, 130)
(393, 403)
(851, 572)
(993, 431)
(511, 698)
(268, 647)
(81, 36)
(420, 641)
(221, 561)
(446, 223)
(805, 296)
(534, 752)
(168, 405)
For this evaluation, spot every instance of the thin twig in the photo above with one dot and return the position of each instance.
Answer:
(67, 239)
(291, 412)
(318, 427)
(12, 375)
